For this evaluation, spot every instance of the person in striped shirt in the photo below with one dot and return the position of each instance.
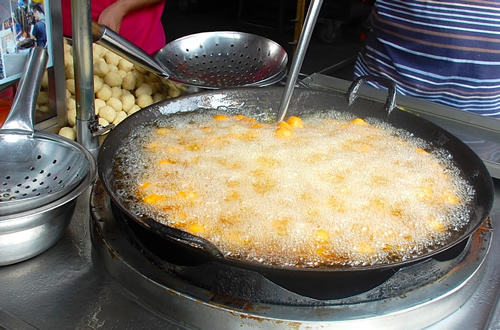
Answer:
(444, 51)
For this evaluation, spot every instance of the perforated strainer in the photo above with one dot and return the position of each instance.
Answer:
(224, 59)
(36, 168)
(210, 60)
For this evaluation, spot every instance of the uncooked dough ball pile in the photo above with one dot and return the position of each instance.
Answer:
(121, 88)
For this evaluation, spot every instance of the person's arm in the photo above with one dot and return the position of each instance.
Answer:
(113, 15)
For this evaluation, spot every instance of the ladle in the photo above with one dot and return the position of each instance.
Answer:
(298, 58)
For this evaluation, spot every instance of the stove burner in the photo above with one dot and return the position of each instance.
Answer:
(153, 270)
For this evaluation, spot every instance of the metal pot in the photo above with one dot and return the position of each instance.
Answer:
(27, 234)
(267, 100)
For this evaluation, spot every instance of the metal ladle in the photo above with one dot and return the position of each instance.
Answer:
(298, 58)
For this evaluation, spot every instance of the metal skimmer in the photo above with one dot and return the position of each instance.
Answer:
(225, 59)
(210, 60)
(36, 168)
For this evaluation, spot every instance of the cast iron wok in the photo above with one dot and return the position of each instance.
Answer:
(266, 100)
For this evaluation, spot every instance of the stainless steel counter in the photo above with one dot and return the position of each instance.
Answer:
(67, 287)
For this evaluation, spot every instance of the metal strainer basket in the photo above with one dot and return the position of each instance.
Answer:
(224, 59)
(36, 168)
(210, 60)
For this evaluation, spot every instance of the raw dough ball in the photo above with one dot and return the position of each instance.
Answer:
(104, 93)
(115, 103)
(144, 88)
(103, 122)
(43, 98)
(107, 113)
(70, 103)
(121, 73)
(98, 82)
(101, 68)
(119, 117)
(98, 103)
(158, 97)
(112, 58)
(129, 82)
(144, 100)
(113, 79)
(128, 100)
(68, 133)
(125, 65)
(71, 117)
(70, 85)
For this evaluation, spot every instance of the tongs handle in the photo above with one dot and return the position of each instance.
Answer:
(114, 42)
(21, 115)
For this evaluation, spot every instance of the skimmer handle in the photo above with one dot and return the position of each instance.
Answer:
(22, 113)
(114, 42)
(305, 37)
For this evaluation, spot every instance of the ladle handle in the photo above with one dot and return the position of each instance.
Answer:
(114, 42)
(298, 58)
(21, 115)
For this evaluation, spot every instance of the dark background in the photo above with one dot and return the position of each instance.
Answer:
(337, 38)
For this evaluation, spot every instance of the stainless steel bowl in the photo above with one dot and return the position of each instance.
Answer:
(27, 234)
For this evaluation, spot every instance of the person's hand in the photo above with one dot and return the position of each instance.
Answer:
(112, 16)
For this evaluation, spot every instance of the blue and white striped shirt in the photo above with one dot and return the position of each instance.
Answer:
(444, 51)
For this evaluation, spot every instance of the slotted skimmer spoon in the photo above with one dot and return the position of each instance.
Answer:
(36, 168)
(210, 60)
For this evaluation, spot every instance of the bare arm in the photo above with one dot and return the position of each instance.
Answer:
(113, 15)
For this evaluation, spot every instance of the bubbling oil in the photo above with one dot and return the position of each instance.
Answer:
(336, 191)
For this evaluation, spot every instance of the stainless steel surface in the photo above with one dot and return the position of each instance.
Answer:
(36, 169)
(69, 286)
(223, 59)
(84, 77)
(298, 58)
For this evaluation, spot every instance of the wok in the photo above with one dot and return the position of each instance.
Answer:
(267, 100)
